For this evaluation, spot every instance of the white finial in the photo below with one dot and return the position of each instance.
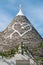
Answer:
(20, 11)
(20, 6)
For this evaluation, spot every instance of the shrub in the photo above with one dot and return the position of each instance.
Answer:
(9, 53)
(16, 48)
(41, 64)
(41, 45)
(35, 49)
(37, 59)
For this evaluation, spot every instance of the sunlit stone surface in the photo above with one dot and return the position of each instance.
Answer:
(12, 61)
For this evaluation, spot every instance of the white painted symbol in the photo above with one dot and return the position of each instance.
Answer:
(22, 27)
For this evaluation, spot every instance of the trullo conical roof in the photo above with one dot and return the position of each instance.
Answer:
(21, 30)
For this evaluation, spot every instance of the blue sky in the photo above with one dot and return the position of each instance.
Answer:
(32, 9)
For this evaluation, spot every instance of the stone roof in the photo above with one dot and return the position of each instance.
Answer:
(21, 30)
